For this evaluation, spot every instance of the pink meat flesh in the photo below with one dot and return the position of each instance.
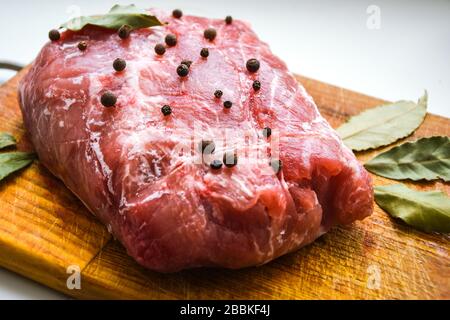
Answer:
(124, 162)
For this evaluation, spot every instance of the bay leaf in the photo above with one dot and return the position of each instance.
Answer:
(424, 210)
(118, 16)
(13, 161)
(383, 125)
(6, 140)
(426, 158)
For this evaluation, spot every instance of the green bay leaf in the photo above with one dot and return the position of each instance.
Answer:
(13, 161)
(424, 159)
(383, 125)
(427, 211)
(118, 16)
(6, 140)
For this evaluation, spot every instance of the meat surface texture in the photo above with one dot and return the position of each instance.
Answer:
(169, 209)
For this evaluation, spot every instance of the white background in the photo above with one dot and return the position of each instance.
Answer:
(325, 40)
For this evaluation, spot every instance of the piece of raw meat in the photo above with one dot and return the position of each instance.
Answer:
(169, 209)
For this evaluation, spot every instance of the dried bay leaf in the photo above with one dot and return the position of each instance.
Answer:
(118, 16)
(426, 158)
(13, 161)
(6, 140)
(383, 125)
(427, 211)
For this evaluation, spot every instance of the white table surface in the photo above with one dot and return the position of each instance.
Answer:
(325, 40)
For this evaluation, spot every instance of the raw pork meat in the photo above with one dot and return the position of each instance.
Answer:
(169, 209)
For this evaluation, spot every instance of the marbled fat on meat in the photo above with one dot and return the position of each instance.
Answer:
(168, 210)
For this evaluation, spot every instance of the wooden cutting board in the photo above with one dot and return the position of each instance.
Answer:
(44, 229)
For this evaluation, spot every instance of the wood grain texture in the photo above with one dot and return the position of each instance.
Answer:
(44, 229)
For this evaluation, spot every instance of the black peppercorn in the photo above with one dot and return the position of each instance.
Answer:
(230, 159)
(160, 49)
(276, 165)
(216, 164)
(183, 70)
(207, 146)
(166, 110)
(218, 94)
(119, 64)
(54, 35)
(108, 99)
(252, 65)
(124, 31)
(267, 132)
(227, 104)
(171, 40)
(187, 63)
(228, 20)
(177, 13)
(256, 85)
(82, 45)
(210, 34)
(204, 52)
